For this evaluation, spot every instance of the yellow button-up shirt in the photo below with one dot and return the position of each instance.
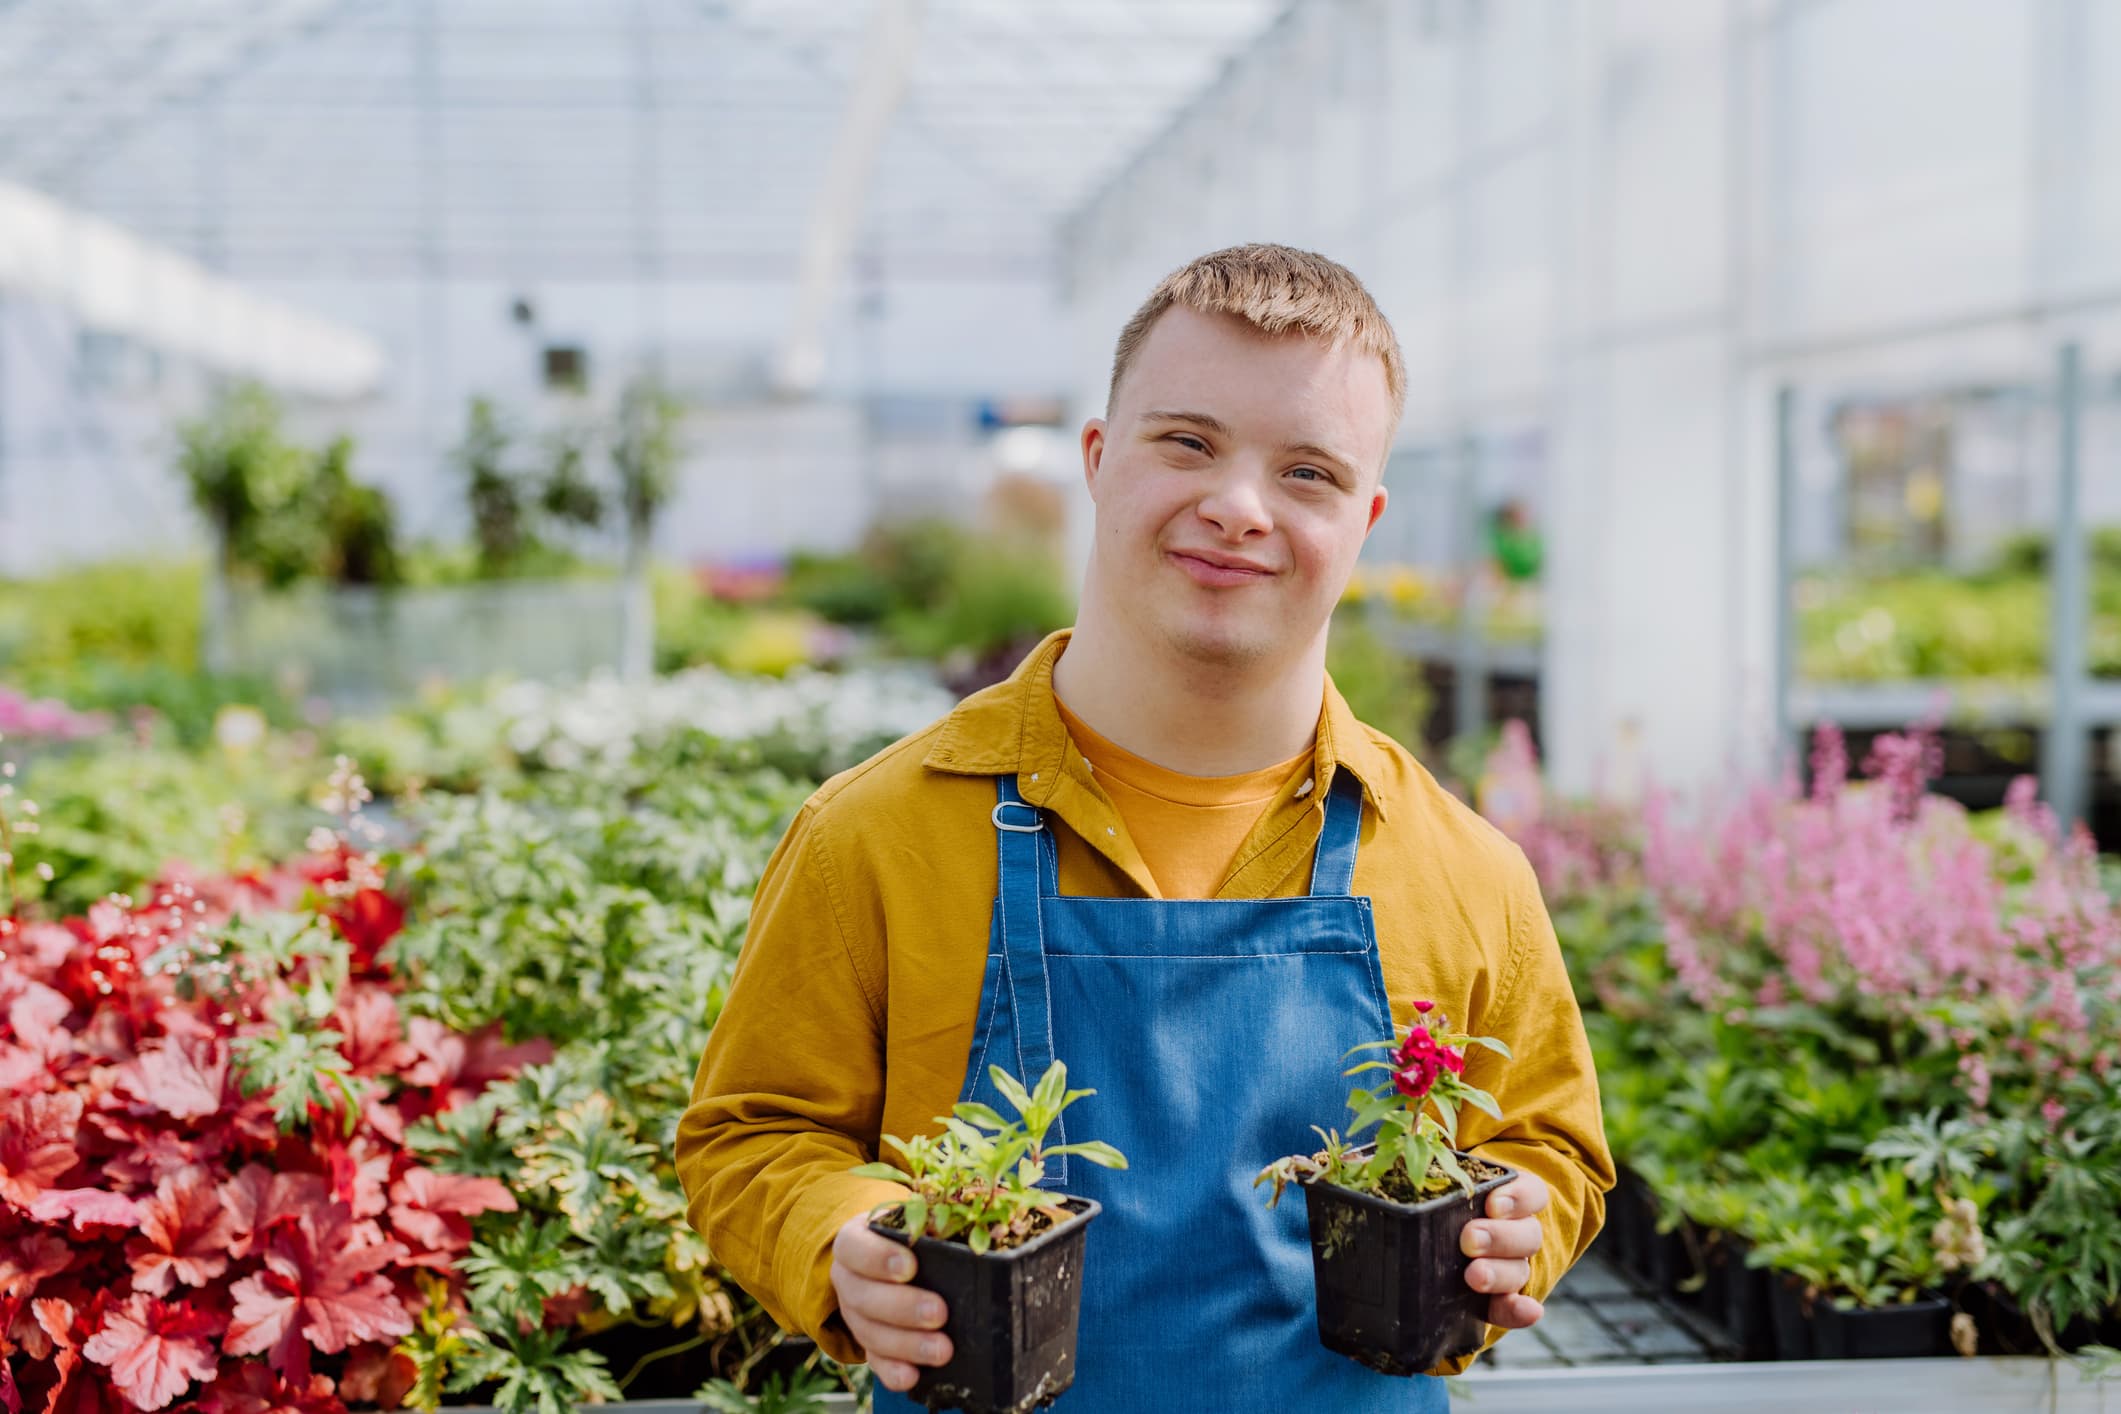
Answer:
(852, 1007)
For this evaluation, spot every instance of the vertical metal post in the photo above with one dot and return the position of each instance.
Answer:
(2062, 755)
(1470, 673)
(212, 233)
(647, 192)
(434, 357)
(1786, 728)
(637, 599)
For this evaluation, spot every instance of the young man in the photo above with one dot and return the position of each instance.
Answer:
(1075, 864)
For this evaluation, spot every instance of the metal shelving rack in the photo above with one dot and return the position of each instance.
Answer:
(2065, 706)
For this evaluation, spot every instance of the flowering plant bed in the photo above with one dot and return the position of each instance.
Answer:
(1386, 1218)
(1861, 1036)
(1005, 1255)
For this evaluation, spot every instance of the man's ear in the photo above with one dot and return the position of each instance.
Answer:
(1093, 452)
(1377, 508)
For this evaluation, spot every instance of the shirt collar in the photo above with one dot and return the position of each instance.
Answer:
(1014, 727)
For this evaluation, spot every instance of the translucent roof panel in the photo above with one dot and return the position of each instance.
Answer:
(588, 139)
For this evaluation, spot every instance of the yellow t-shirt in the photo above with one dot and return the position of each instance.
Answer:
(1188, 828)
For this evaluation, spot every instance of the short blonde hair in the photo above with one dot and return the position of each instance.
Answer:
(1277, 289)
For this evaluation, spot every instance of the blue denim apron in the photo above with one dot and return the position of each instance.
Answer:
(1213, 1031)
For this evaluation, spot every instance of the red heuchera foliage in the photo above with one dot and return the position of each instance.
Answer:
(163, 1243)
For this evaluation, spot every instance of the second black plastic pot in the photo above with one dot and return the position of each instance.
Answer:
(2005, 1328)
(1747, 1302)
(1634, 1223)
(1706, 1286)
(1391, 1277)
(1791, 1314)
(1012, 1317)
(1815, 1328)
(1911, 1330)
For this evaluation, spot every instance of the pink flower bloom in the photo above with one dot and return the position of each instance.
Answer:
(1420, 1059)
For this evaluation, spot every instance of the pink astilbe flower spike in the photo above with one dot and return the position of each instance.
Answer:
(1875, 897)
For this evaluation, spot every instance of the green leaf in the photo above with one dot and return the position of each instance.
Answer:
(1481, 1100)
(980, 1240)
(1491, 1043)
(1051, 1087)
(883, 1171)
(1011, 1089)
(971, 1138)
(1096, 1151)
(983, 1115)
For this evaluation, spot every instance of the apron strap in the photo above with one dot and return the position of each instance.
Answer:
(1333, 868)
(1019, 826)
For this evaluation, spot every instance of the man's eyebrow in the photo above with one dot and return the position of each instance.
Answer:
(1198, 419)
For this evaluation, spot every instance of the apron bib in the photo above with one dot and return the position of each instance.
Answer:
(1213, 1031)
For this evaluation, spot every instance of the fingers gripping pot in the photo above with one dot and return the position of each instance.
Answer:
(1005, 1256)
(1391, 1276)
(1387, 1218)
(1012, 1316)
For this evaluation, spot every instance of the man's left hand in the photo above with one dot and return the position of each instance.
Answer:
(1501, 1245)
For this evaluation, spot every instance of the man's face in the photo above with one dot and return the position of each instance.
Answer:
(1235, 479)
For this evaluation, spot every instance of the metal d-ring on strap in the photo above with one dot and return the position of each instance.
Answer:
(1038, 821)
(1024, 950)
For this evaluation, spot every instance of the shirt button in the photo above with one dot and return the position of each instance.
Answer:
(1110, 831)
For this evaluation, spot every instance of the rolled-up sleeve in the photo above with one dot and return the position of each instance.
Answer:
(1548, 1092)
(789, 1095)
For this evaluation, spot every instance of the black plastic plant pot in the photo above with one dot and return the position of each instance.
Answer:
(1391, 1277)
(1746, 1304)
(1012, 1317)
(1709, 1253)
(1636, 1221)
(2004, 1327)
(1668, 1263)
(1616, 1240)
(1911, 1330)
(1791, 1312)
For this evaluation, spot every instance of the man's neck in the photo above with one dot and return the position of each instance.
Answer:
(1200, 720)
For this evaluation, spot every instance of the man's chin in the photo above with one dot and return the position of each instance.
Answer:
(1213, 645)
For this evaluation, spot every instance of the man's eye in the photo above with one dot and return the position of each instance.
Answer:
(1189, 442)
(1312, 472)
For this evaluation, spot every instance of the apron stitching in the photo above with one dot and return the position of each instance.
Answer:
(985, 1036)
(1374, 952)
(1206, 956)
(1038, 920)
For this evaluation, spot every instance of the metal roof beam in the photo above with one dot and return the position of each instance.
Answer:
(888, 54)
(143, 99)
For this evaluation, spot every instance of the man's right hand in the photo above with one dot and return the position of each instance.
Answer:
(899, 1325)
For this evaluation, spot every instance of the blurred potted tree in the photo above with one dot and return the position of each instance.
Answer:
(645, 454)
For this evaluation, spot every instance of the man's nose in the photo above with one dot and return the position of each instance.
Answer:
(1236, 507)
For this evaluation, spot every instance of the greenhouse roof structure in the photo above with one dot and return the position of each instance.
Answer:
(570, 139)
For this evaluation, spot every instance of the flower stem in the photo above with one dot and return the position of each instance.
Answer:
(654, 1355)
